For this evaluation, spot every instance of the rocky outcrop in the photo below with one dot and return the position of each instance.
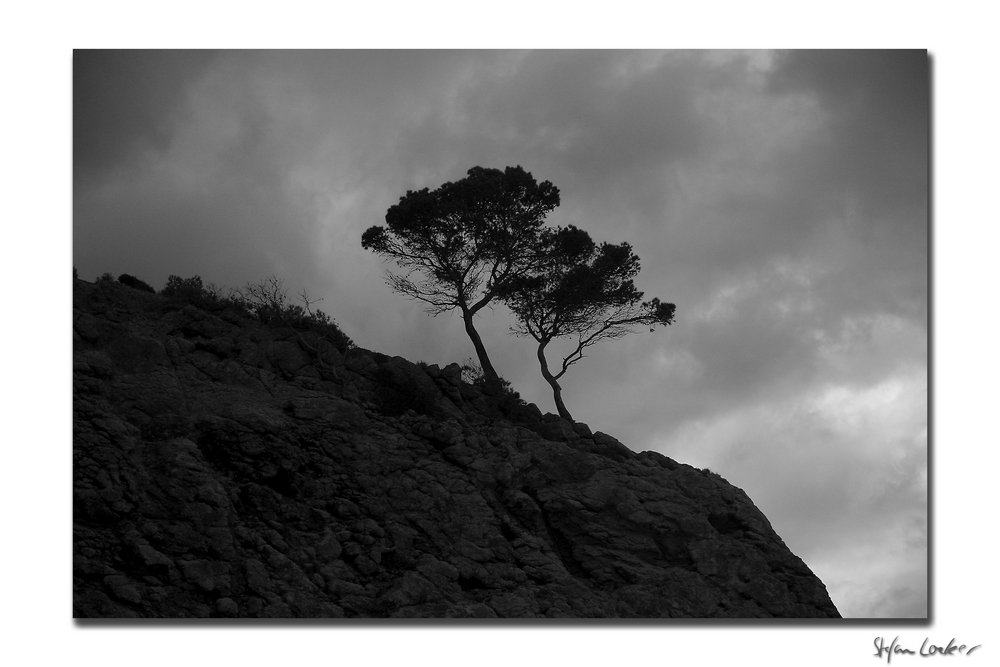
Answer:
(223, 468)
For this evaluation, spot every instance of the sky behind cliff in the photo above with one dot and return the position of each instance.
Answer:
(780, 199)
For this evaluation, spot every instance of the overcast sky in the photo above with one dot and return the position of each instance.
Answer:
(779, 199)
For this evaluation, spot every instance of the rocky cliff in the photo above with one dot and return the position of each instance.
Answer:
(225, 468)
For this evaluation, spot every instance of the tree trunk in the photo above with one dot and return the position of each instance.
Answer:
(477, 342)
(556, 389)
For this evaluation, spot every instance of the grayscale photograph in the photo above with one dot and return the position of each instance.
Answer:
(480, 335)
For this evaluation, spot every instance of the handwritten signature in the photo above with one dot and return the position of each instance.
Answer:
(926, 649)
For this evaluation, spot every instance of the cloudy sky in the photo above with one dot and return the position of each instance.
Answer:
(780, 199)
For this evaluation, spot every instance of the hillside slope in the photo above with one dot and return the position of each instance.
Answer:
(222, 469)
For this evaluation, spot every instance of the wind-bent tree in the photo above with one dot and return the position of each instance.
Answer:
(584, 291)
(460, 244)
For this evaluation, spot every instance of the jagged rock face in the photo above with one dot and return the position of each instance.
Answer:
(220, 469)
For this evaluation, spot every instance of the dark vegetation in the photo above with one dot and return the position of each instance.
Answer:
(135, 283)
(476, 242)
(499, 392)
(396, 388)
(458, 245)
(265, 301)
(481, 241)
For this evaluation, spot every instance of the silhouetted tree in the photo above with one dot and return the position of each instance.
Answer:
(584, 291)
(466, 240)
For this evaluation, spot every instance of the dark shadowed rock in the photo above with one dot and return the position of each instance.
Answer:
(220, 472)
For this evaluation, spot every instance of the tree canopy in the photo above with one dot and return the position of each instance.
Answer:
(459, 245)
(584, 291)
